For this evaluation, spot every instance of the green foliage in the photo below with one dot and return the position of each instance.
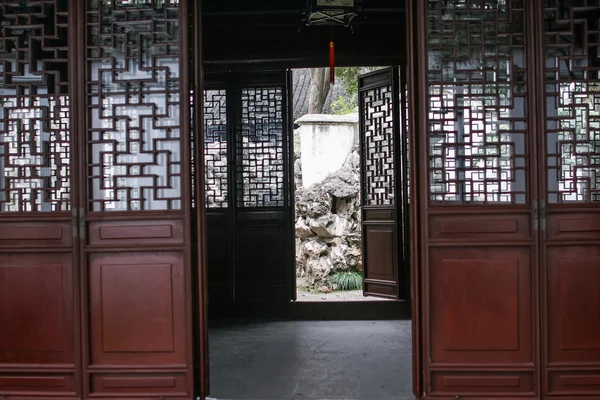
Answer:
(349, 76)
(346, 280)
(344, 105)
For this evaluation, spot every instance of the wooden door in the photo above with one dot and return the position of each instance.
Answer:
(382, 194)
(264, 261)
(247, 150)
(137, 277)
(478, 199)
(39, 274)
(218, 153)
(570, 214)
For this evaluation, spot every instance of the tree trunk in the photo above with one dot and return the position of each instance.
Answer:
(319, 89)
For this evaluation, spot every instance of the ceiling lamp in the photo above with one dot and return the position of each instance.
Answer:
(331, 12)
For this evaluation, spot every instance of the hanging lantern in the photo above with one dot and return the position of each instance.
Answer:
(332, 62)
(331, 12)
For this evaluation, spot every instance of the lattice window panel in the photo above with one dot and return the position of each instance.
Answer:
(133, 105)
(260, 148)
(215, 148)
(572, 72)
(476, 122)
(34, 107)
(378, 146)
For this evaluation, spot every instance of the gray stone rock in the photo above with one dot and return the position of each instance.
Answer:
(298, 173)
(346, 181)
(318, 269)
(312, 202)
(329, 226)
(338, 257)
(315, 248)
(303, 230)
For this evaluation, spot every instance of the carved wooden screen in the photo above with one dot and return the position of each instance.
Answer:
(263, 227)
(39, 333)
(138, 321)
(571, 246)
(215, 148)
(260, 148)
(219, 204)
(479, 248)
(248, 206)
(380, 130)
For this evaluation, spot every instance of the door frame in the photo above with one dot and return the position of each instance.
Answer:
(414, 44)
(416, 122)
(201, 348)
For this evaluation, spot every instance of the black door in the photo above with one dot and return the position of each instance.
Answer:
(248, 188)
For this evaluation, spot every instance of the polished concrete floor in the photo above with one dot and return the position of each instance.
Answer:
(293, 360)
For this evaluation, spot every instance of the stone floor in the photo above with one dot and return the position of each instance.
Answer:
(294, 360)
(348, 295)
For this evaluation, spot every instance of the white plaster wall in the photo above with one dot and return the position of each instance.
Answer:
(325, 142)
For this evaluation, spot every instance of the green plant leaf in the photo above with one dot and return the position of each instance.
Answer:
(346, 280)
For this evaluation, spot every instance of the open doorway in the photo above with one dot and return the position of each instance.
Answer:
(345, 152)
(310, 356)
(277, 347)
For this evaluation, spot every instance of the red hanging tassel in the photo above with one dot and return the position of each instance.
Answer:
(331, 62)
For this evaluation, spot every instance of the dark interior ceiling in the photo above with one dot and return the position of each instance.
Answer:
(269, 34)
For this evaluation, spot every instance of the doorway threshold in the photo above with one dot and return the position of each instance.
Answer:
(310, 310)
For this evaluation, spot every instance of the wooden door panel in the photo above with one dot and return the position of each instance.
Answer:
(381, 276)
(137, 259)
(137, 309)
(583, 383)
(573, 226)
(264, 262)
(37, 340)
(261, 268)
(37, 313)
(49, 385)
(219, 202)
(39, 298)
(128, 233)
(38, 234)
(248, 188)
(478, 211)
(573, 301)
(483, 227)
(570, 213)
(150, 385)
(220, 272)
(481, 306)
(382, 184)
(475, 383)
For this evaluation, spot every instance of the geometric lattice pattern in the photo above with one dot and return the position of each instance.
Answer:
(378, 146)
(476, 122)
(572, 73)
(260, 148)
(134, 137)
(215, 147)
(34, 107)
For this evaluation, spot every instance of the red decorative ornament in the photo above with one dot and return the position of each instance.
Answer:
(331, 62)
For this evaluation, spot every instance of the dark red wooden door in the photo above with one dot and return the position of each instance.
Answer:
(478, 232)
(137, 277)
(39, 320)
(97, 289)
(381, 183)
(570, 214)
